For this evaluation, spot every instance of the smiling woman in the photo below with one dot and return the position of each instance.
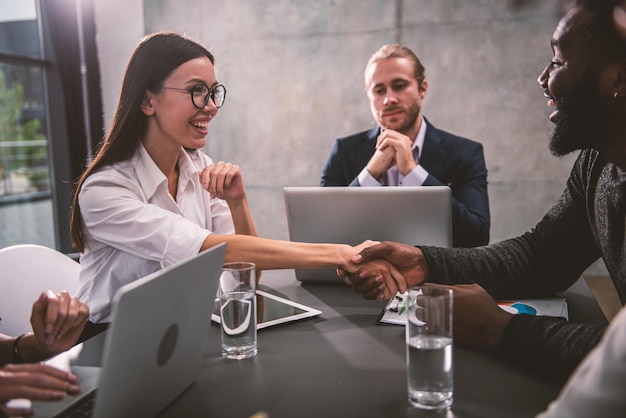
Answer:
(151, 198)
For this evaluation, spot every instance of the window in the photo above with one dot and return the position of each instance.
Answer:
(43, 139)
(26, 213)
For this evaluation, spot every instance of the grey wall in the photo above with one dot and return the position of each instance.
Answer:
(294, 74)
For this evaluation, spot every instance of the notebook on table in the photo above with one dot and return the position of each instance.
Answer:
(154, 347)
(351, 215)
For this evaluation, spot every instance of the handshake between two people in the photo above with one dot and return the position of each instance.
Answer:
(385, 268)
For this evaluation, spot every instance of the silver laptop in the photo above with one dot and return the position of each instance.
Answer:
(154, 347)
(351, 215)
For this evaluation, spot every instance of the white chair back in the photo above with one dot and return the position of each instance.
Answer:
(25, 272)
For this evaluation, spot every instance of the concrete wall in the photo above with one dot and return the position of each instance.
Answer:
(294, 74)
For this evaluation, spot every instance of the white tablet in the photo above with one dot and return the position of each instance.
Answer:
(273, 310)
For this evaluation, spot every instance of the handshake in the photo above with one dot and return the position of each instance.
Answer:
(383, 269)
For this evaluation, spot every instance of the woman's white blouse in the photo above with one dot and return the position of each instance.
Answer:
(133, 226)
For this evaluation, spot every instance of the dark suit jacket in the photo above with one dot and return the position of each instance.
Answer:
(450, 161)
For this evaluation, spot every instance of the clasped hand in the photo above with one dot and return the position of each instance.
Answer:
(392, 148)
(348, 255)
(389, 267)
(223, 180)
(57, 320)
(385, 269)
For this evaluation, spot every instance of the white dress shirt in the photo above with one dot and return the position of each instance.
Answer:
(133, 226)
(392, 177)
(596, 388)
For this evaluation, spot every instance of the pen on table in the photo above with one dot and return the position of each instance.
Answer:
(402, 309)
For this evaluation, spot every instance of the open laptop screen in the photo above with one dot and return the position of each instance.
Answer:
(351, 215)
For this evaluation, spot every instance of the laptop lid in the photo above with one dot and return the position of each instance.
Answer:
(351, 215)
(154, 347)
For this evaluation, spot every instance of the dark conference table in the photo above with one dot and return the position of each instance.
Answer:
(342, 364)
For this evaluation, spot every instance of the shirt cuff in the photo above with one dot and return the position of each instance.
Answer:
(416, 177)
(366, 179)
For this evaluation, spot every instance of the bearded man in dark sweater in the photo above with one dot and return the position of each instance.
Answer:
(586, 84)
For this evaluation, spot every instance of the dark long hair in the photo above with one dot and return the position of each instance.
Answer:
(153, 60)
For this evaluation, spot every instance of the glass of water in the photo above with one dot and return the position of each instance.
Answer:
(237, 294)
(429, 346)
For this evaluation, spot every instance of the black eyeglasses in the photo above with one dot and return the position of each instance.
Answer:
(201, 93)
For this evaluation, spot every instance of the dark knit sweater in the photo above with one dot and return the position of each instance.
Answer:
(587, 222)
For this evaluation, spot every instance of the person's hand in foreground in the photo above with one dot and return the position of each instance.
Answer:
(57, 320)
(385, 269)
(36, 381)
(478, 320)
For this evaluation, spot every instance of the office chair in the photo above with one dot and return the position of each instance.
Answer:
(25, 272)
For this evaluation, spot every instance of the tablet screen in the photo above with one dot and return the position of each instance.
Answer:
(273, 310)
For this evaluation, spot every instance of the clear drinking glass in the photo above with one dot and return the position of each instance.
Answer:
(237, 294)
(429, 347)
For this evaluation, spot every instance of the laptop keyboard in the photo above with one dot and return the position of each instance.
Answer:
(83, 408)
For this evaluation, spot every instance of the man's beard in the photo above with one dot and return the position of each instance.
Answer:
(411, 117)
(580, 121)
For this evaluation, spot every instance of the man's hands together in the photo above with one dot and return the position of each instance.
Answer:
(392, 148)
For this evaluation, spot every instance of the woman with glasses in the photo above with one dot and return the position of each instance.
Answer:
(150, 198)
